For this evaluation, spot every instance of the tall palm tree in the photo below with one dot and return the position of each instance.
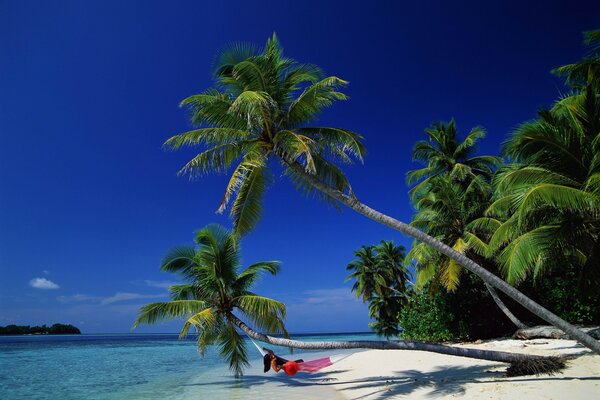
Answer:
(381, 279)
(259, 109)
(215, 288)
(443, 154)
(450, 192)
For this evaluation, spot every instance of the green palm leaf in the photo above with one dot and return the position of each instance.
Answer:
(204, 320)
(156, 312)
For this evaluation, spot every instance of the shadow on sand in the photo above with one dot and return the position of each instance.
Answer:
(444, 381)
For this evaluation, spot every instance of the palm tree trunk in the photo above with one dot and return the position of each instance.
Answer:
(505, 309)
(485, 275)
(534, 364)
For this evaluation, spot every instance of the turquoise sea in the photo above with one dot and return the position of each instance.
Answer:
(111, 367)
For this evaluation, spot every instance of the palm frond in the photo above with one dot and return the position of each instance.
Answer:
(209, 136)
(314, 99)
(179, 259)
(250, 275)
(155, 312)
(339, 142)
(204, 320)
(217, 159)
(266, 314)
(296, 147)
(524, 252)
(557, 197)
(247, 207)
(232, 347)
(327, 173)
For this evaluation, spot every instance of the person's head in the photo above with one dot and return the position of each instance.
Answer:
(267, 361)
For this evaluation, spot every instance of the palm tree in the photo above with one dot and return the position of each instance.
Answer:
(520, 364)
(254, 113)
(442, 154)
(214, 289)
(548, 202)
(450, 192)
(450, 213)
(381, 279)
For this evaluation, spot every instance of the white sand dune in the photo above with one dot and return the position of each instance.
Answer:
(388, 374)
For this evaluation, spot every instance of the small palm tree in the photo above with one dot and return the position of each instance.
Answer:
(214, 289)
(381, 279)
(260, 108)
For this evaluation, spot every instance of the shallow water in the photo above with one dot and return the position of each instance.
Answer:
(127, 367)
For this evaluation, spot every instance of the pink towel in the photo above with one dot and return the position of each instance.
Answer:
(314, 365)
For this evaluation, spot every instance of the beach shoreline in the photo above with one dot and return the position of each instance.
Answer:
(390, 374)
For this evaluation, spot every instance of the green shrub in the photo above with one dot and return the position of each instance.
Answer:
(427, 317)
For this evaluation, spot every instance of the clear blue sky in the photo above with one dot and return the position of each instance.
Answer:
(89, 91)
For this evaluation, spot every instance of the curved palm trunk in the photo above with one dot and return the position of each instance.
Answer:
(505, 309)
(469, 264)
(521, 364)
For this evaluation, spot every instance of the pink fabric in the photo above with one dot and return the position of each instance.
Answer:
(314, 365)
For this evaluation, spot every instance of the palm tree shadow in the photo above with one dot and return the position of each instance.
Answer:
(299, 380)
(444, 381)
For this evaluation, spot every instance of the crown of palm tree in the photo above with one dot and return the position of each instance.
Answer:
(261, 107)
(214, 289)
(443, 154)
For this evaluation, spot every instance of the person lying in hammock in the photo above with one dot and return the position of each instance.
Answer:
(271, 360)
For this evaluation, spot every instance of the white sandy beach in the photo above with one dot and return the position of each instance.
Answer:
(381, 374)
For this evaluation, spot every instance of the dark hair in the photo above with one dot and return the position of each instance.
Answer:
(267, 362)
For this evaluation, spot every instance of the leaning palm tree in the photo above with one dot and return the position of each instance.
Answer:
(260, 108)
(214, 288)
(215, 291)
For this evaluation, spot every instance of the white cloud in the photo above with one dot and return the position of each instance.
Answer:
(77, 298)
(160, 284)
(43, 283)
(117, 297)
(337, 296)
(123, 296)
(46, 272)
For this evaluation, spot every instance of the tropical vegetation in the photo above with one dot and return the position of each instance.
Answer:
(381, 279)
(215, 287)
(261, 108)
(536, 221)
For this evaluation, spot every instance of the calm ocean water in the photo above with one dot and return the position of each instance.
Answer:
(110, 367)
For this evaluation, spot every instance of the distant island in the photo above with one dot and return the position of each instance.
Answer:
(56, 329)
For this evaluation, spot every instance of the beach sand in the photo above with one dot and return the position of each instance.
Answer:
(390, 374)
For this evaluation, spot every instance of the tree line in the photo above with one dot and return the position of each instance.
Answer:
(55, 329)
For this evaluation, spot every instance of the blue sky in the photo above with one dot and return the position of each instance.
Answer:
(89, 91)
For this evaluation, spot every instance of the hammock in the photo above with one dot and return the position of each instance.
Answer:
(312, 365)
